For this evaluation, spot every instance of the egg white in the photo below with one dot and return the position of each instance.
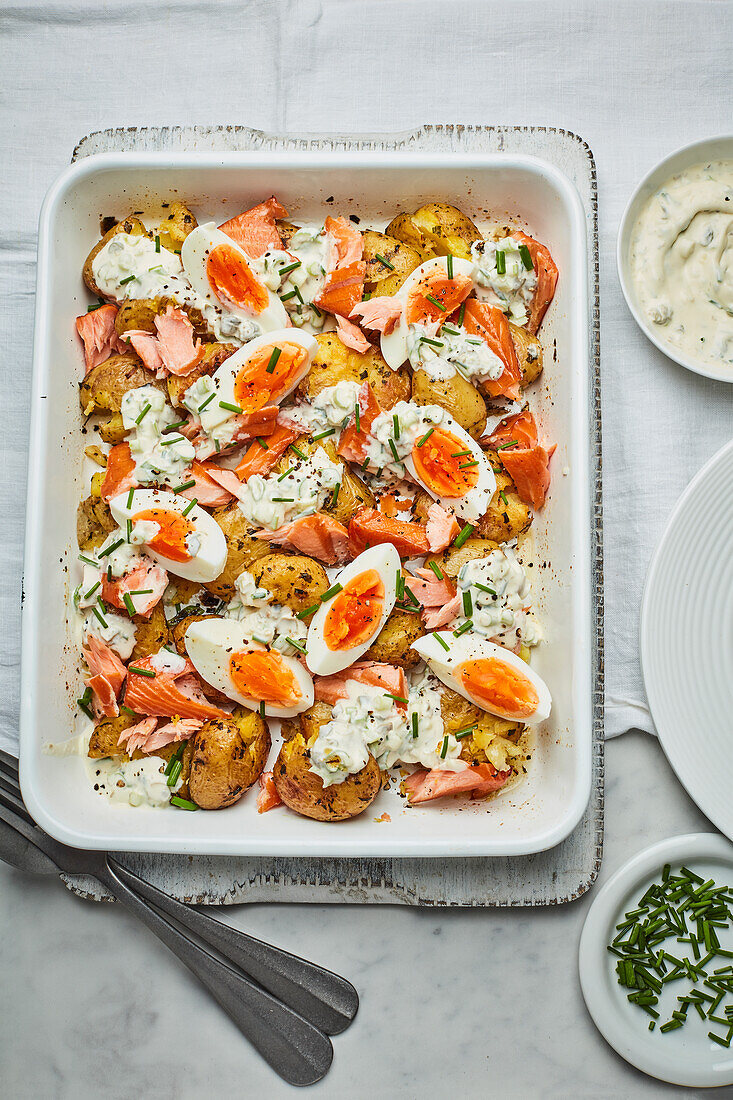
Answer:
(469, 647)
(394, 343)
(210, 644)
(194, 255)
(211, 556)
(323, 661)
(476, 501)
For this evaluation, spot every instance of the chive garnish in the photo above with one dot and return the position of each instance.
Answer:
(397, 698)
(283, 500)
(127, 600)
(436, 569)
(396, 423)
(100, 616)
(526, 257)
(85, 708)
(464, 732)
(189, 507)
(463, 535)
(208, 401)
(288, 296)
(260, 440)
(463, 629)
(174, 772)
(461, 313)
(290, 267)
(467, 603)
(315, 309)
(87, 561)
(435, 302)
(433, 343)
(500, 262)
(157, 243)
(414, 724)
(128, 710)
(357, 418)
(262, 710)
(307, 611)
(461, 454)
(186, 485)
(146, 409)
(124, 282)
(297, 452)
(484, 588)
(230, 407)
(183, 803)
(130, 498)
(170, 442)
(128, 530)
(506, 446)
(393, 449)
(468, 465)
(502, 494)
(412, 597)
(451, 331)
(285, 473)
(382, 260)
(276, 353)
(449, 261)
(111, 549)
(332, 591)
(444, 749)
(335, 496)
(399, 585)
(442, 641)
(296, 645)
(323, 435)
(149, 672)
(92, 590)
(426, 437)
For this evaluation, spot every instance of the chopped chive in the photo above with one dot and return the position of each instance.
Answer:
(296, 645)
(170, 442)
(230, 407)
(506, 446)
(463, 535)
(283, 500)
(157, 243)
(399, 585)
(296, 451)
(413, 598)
(288, 296)
(397, 698)
(441, 641)
(335, 496)
(451, 331)
(290, 267)
(262, 710)
(128, 710)
(208, 401)
(146, 409)
(85, 708)
(128, 530)
(186, 485)
(130, 498)
(396, 423)
(315, 309)
(87, 561)
(276, 353)
(468, 465)
(526, 257)
(183, 803)
(332, 591)
(449, 262)
(217, 446)
(97, 305)
(127, 600)
(323, 435)
(502, 494)
(100, 617)
(717, 1039)
(444, 749)
(414, 724)
(149, 672)
(262, 443)
(175, 772)
(467, 604)
(461, 454)
(464, 731)
(436, 569)
(307, 611)
(393, 449)
(382, 260)
(189, 507)
(500, 262)
(435, 302)
(92, 590)
(433, 343)
(461, 313)
(111, 549)
(285, 473)
(357, 418)
(484, 588)
(124, 282)
(464, 628)
(426, 437)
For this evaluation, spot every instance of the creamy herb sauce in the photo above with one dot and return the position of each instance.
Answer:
(682, 262)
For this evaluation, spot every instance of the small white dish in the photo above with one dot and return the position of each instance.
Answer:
(686, 639)
(685, 1056)
(717, 148)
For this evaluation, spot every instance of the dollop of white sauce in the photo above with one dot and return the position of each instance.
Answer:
(299, 287)
(387, 447)
(217, 424)
(452, 350)
(681, 259)
(274, 500)
(266, 622)
(331, 408)
(118, 633)
(498, 592)
(133, 782)
(512, 290)
(159, 455)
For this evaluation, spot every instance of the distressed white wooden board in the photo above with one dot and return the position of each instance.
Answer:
(554, 877)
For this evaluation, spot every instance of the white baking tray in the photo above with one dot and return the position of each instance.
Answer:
(545, 807)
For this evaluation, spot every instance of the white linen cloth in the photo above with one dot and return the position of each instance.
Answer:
(636, 80)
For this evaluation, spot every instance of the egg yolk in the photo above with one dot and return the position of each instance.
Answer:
(435, 297)
(170, 541)
(268, 375)
(264, 677)
(233, 281)
(355, 613)
(498, 686)
(444, 464)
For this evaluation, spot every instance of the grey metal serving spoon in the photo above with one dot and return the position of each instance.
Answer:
(293, 1047)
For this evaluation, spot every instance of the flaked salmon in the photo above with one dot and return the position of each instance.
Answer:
(429, 590)
(244, 426)
(329, 689)
(104, 700)
(148, 579)
(343, 286)
(267, 796)
(480, 780)
(547, 274)
(351, 335)
(145, 344)
(379, 314)
(318, 535)
(167, 693)
(255, 230)
(435, 617)
(206, 490)
(103, 661)
(355, 437)
(147, 738)
(525, 459)
(488, 322)
(370, 527)
(441, 528)
(119, 475)
(134, 737)
(98, 335)
(179, 350)
(260, 460)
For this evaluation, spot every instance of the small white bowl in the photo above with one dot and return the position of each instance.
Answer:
(717, 148)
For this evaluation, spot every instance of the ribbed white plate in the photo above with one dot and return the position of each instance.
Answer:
(687, 639)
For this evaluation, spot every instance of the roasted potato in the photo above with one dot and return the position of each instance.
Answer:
(228, 756)
(140, 313)
(96, 454)
(112, 430)
(93, 522)
(303, 791)
(507, 516)
(131, 225)
(243, 549)
(295, 581)
(394, 641)
(105, 737)
(179, 628)
(457, 713)
(436, 229)
(106, 384)
(456, 395)
(214, 356)
(451, 560)
(175, 225)
(286, 231)
(150, 634)
(181, 591)
(334, 362)
(400, 258)
(529, 353)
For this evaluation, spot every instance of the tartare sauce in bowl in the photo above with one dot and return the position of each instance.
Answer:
(676, 259)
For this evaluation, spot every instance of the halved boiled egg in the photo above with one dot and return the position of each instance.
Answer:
(429, 296)
(447, 462)
(486, 674)
(185, 540)
(225, 656)
(218, 269)
(357, 607)
(263, 372)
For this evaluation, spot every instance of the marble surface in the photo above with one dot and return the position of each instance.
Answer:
(475, 1003)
